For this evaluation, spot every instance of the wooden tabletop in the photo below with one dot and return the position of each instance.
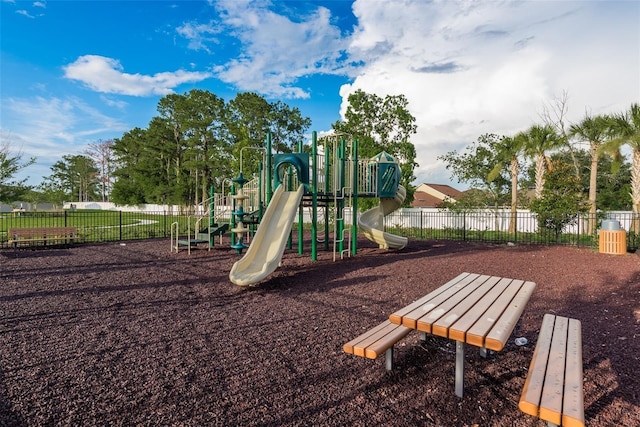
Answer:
(476, 309)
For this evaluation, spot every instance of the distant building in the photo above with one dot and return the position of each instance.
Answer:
(19, 206)
(432, 195)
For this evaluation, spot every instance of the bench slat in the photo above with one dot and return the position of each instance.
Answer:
(40, 239)
(396, 333)
(501, 331)
(573, 406)
(532, 391)
(377, 340)
(551, 400)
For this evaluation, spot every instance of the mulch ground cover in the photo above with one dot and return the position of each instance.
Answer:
(129, 333)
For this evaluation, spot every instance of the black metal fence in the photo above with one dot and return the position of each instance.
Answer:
(480, 226)
(493, 227)
(98, 226)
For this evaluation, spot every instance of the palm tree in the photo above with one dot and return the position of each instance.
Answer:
(508, 151)
(626, 131)
(540, 139)
(595, 131)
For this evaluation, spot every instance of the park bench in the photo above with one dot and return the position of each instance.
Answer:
(30, 236)
(376, 341)
(553, 388)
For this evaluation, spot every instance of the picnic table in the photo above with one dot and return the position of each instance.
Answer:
(471, 309)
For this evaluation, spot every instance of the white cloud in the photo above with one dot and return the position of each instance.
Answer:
(49, 128)
(106, 75)
(121, 105)
(29, 13)
(275, 50)
(25, 13)
(44, 120)
(469, 68)
(200, 35)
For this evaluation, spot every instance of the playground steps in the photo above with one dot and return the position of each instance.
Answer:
(324, 198)
(203, 236)
(252, 218)
(216, 230)
(192, 242)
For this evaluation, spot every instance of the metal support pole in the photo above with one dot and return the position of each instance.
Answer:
(301, 216)
(388, 358)
(327, 190)
(314, 196)
(459, 368)
(340, 201)
(233, 209)
(354, 206)
(269, 186)
(212, 215)
(260, 183)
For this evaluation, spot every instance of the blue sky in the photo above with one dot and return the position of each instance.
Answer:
(75, 72)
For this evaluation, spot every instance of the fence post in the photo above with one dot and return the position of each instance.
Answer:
(580, 219)
(65, 218)
(120, 225)
(464, 226)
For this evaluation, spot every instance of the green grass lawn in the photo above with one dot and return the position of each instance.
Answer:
(99, 225)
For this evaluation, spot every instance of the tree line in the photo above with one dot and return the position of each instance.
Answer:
(198, 140)
(566, 178)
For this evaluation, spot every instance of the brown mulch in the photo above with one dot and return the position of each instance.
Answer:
(131, 334)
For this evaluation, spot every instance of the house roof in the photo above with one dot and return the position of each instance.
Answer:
(447, 190)
(432, 195)
(424, 200)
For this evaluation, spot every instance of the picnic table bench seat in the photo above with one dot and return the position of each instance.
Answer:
(376, 341)
(41, 234)
(553, 388)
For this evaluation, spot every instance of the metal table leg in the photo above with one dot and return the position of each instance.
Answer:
(483, 352)
(459, 368)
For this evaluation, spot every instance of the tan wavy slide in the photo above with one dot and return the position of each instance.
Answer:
(265, 251)
(371, 222)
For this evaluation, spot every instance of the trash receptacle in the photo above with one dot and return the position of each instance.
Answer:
(612, 239)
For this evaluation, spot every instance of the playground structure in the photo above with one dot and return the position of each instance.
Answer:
(326, 181)
(323, 183)
(371, 222)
